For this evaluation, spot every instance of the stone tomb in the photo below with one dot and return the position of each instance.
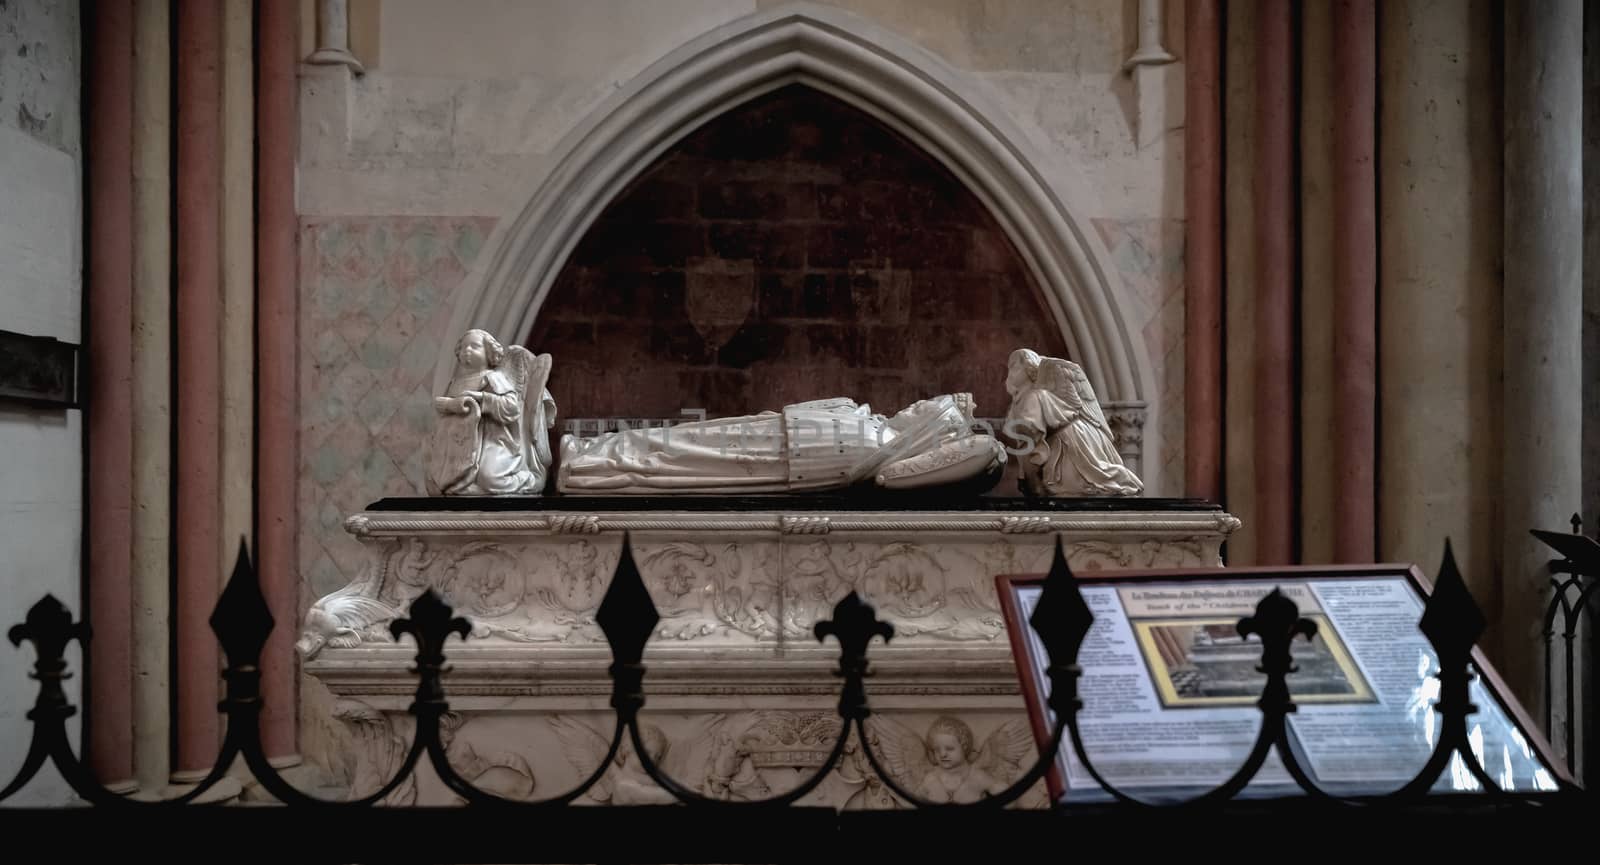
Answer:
(741, 696)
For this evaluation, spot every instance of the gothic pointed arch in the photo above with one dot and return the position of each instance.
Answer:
(949, 115)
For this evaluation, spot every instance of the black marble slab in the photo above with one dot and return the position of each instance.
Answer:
(783, 502)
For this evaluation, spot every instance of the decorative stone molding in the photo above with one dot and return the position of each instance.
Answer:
(333, 37)
(805, 525)
(731, 578)
(1149, 51)
(1127, 421)
(1024, 525)
(380, 524)
(573, 524)
(950, 114)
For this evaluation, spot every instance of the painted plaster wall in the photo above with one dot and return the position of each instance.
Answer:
(41, 470)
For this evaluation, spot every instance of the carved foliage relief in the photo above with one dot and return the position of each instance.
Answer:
(944, 591)
(739, 590)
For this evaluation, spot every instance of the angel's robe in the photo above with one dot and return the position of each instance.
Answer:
(1074, 456)
(491, 443)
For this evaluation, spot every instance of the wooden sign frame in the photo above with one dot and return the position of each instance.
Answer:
(1031, 667)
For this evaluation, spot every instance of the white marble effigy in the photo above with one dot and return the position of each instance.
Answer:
(740, 694)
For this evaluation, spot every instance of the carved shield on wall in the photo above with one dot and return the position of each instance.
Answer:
(719, 294)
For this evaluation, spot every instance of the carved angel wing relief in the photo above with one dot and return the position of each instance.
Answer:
(1003, 753)
(1085, 391)
(1055, 376)
(683, 756)
(584, 748)
(904, 751)
(518, 366)
(539, 374)
(530, 374)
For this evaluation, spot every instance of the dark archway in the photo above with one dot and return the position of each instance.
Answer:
(793, 248)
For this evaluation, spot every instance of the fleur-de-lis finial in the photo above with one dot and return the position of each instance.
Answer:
(430, 621)
(854, 624)
(49, 627)
(1277, 622)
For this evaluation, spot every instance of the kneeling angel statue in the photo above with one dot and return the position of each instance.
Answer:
(1067, 446)
(490, 438)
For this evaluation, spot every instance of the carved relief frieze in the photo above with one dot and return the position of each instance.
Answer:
(946, 762)
(1141, 553)
(945, 756)
(943, 591)
(731, 578)
(377, 743)
(705, 590)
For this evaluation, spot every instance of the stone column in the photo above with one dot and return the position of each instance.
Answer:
(1239, 299)
(1589, 730)
(198, 397)
(1439, 318)
(1591, 276)
(152, 402)
(1202, 202)
(109, 408)
(1275, 286)
(1543, 314)
(237, 480)
(333, 36)
(276, 446)
(1355, 276)
(1149, 50)
(1318, 477)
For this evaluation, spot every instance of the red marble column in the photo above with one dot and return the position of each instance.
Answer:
(1355, 278)
(1275, 433)
(109, 405)
(277, 31)
(1202, 204)
(198, 394)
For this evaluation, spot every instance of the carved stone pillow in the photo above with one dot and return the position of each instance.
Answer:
(950, 462)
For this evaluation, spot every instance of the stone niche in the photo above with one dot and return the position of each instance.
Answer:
(740, 695)
(790, 249)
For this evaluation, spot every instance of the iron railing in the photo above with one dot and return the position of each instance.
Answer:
(1570, 616)
(304, 828)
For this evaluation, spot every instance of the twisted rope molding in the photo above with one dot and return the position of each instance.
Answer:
(370, 525)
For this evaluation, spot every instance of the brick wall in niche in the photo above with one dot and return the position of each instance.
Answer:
(792, 249)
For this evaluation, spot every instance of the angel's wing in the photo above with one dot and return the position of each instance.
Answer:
(1005, 749)
(903, 749)
(584, 748)
(357, 612)
(679, 753)
(530, 373)
(518, 366)
(1091, 405)
(539, 374)
(1055, 376)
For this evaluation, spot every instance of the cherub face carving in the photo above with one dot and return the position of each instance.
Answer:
(472, 353)
(947, 751)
